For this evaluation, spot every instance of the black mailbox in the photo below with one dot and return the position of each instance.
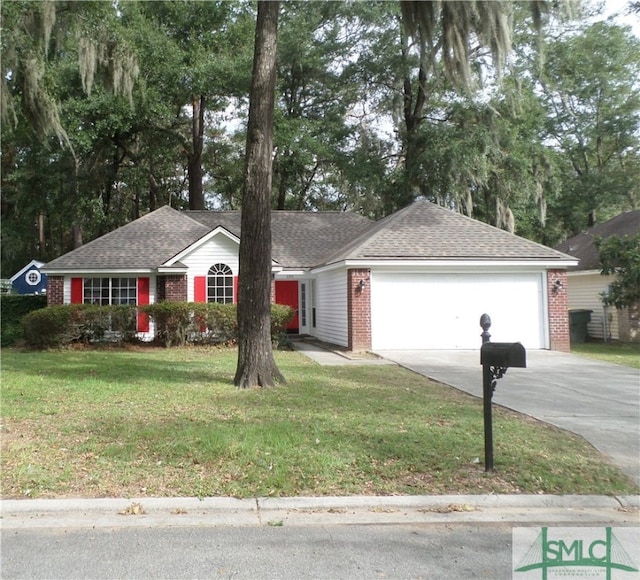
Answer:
(503, 354)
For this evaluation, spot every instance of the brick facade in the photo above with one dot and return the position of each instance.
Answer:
(172, 288)
(55, 290)
(558, 307)
(359, 309)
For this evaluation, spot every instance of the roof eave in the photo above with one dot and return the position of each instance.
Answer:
(537, 263)
(96, 271)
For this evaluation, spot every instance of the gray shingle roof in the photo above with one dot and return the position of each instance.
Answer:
(302, 240)
(298, 239)
(425, 231)
(583, 245)
(145, 243)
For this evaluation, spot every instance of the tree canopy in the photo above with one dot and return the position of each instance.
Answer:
(112, 110)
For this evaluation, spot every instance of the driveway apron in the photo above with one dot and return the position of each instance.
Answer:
(597, 400)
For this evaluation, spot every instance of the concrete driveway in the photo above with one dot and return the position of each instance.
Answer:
(599, 401)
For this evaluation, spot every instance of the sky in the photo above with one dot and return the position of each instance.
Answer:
(617, 8)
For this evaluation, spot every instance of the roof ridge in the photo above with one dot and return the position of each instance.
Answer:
(274, 211)
(369, 233)
(497, 229)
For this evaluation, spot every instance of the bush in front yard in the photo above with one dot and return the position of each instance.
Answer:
(176, 323)
(179, 323)
(57, 326)
(281, 316)
(172, 321)
(13, 308)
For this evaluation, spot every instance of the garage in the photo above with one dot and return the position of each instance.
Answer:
(433, 311)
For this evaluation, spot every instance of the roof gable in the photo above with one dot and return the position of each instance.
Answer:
(299, 239)
(426, 231)
(34, 264)
(218, 231)
(583, 245)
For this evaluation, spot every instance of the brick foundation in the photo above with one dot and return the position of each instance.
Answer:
(359, 309)
(558, 310)
(55, 290)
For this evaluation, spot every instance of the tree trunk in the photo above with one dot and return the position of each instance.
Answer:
(196, 195)
(256, 365)
(42, 245)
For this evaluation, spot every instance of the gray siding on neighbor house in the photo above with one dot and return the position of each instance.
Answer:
(584, 293)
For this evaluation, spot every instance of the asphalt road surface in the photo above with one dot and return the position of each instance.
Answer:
(350, 552)
(361, 537)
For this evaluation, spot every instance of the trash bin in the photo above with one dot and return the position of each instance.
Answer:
(578, 320)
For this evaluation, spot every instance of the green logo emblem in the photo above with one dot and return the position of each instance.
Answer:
(583, 550)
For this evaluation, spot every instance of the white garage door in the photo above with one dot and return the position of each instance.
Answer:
(442, 311)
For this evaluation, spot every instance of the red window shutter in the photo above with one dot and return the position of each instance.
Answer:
(143, 299)
(77, 290)
(235, 289)
(200, 289)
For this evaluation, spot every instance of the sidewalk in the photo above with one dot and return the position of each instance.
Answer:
(310, 511)
(324, 356)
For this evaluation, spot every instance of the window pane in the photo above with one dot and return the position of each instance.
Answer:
(220, 284)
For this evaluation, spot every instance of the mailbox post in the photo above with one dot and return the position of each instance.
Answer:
(495, 358)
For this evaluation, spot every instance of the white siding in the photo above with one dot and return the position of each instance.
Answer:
(330, 301)
(584, 292)
(67, 290)
(218, 250)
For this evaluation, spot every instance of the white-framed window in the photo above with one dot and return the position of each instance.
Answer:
(33, 277)
(303, 304)
(220, 284)
(104, 291)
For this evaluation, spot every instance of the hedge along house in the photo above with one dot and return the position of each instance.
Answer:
(417, 279)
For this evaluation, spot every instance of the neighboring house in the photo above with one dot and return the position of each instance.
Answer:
(586, 283)
(29, 280)
(417, 279)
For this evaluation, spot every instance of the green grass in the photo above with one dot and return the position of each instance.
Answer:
(627, 354)
(156, 422)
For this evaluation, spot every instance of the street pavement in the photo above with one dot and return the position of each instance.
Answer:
(356, 538)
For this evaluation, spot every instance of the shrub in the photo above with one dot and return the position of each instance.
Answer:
(57, 326)
(215, 323)
(172, 321)
(13, 308)
(281, 316)
(176, 323)
(46, 328)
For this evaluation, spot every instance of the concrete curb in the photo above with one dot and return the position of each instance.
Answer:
(304, 511)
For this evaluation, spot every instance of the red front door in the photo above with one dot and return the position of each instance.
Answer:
(287, 294)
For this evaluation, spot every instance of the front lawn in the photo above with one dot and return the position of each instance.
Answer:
(168, 422)
(622, 353)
